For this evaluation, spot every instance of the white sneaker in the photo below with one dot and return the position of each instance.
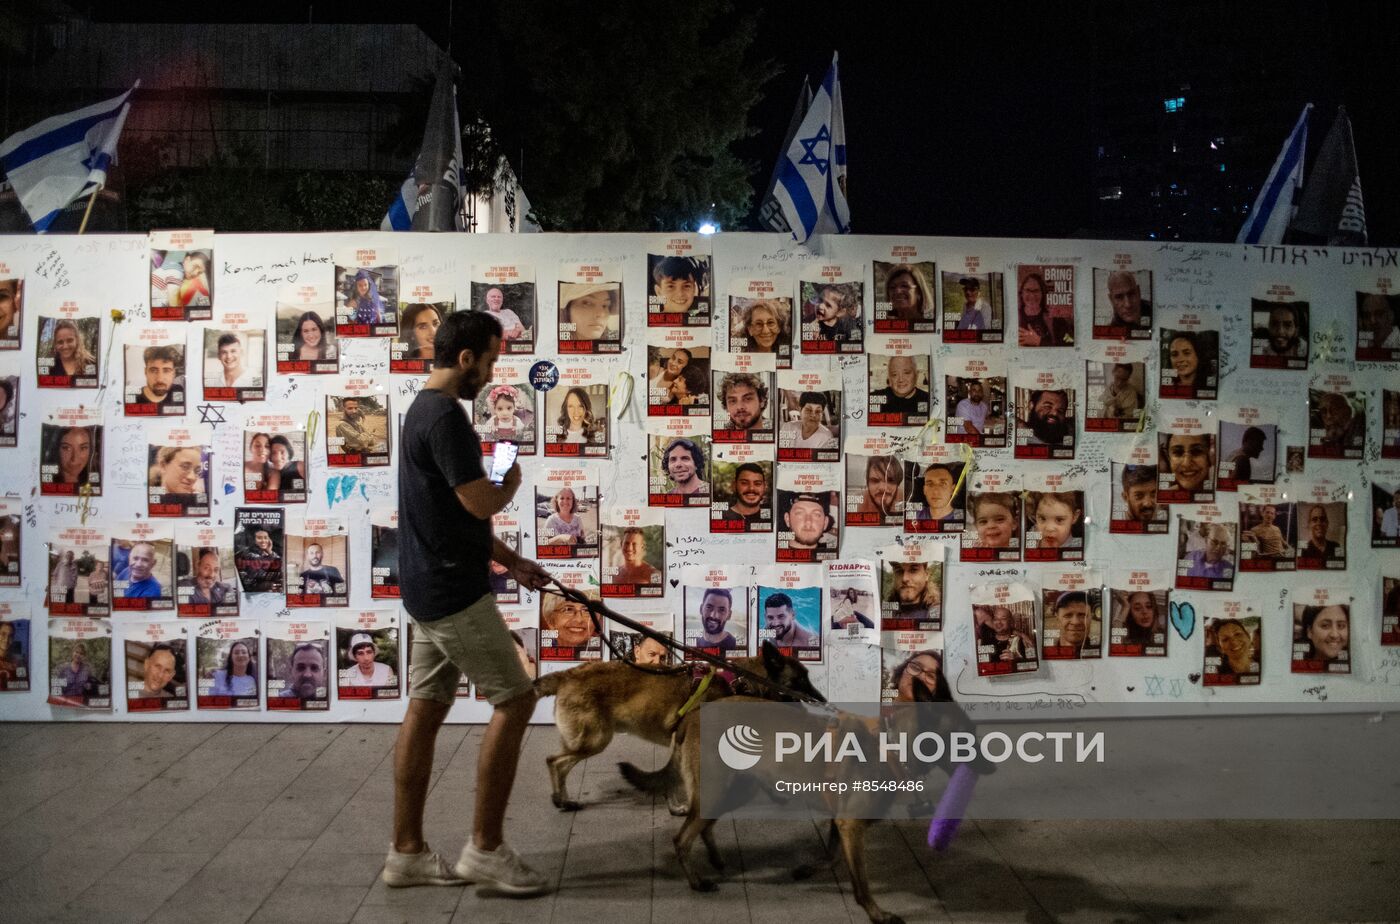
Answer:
(499, 872)
(415, 869)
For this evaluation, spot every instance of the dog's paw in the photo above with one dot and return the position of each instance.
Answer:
(804, 871)
(706, 885)
(891, 919)
(569, 805)
(680, 811)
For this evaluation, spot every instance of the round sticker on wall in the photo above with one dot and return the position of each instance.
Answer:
(544, 375)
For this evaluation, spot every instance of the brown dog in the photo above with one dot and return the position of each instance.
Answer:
(593, 702)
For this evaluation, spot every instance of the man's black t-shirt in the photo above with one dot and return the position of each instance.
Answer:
(443, 550)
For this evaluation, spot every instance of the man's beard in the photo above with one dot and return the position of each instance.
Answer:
(1048, 431)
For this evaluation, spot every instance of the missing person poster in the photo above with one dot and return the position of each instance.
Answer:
(157, 656)
(1003, 618)
(182, 275)
(1071, 604)
(1186, 457)
(788, 610)
(1268, 528)
(566, 514)
(935, 496)
(298, 661)
(590, 308)
(1115, 387)
(852, 601)
(874, 481)
(11, 541)
(507, 292)
(1207, 548)
(904, 299)
(974, 403)
(9, 408)
(154, 366)
(1139, 618)
(1122, 301)
(715, 607)
(1044, 305)
(366, 292)
(992, 532)
(234, 359)
(1322, 631)
(907, 658)
(1234, 645)
(1322, 526)
(80, 576)
(508, 409)
(1134, 507)
(638, 648)
(1390, 424)
(744, 398)
(1046, 411)
(384, 553)
(257, 549)
(275, 460)
(15, 647)
(1248, 446)
(911, 587)
(809, 504)
(761, 318)
(143, 566)
(70, 343)
(179, 471)
(206, 580)
(833, 309)
(567, 629)
(1336, 418)
(1390, 606)
(974, 309)
(809, 416)
(367, 649)
(505, 526)
(1384, 485)
(1378, 323)
(80, 663)
(741, 489)
(681, 284)
(1280, 329)
(1189, 367)
(423, 305)
(70, 452)
(1053, 505)
(11, 306)
(898, 382)
(576, 413)
(357, 425)
(307, 342)
(678, 372)
(228, 666)
(317, 562)
(634, 552)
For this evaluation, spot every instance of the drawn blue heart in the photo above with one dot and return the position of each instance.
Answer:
(228, 489)
(1183, 618)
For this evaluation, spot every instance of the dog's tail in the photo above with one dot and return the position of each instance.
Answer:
(655, 782)
(549, 684)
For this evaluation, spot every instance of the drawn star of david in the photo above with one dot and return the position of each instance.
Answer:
(1154, 685)
(211, 414)
(809, 150)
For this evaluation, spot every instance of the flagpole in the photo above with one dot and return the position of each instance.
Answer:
(88, 213)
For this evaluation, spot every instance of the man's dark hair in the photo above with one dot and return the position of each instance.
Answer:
(1253, 434)
(1134, 475)
(735, 379)
(680, 268)
(1128, 366)
(697, 454)
(463, 330)
(225, 340)
(777, 601)
(813, 397)
(156, 353)
(722, 591)
(750, 467)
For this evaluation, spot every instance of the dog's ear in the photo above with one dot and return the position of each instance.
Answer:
(772, 658)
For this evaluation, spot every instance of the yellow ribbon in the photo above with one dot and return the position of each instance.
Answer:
(313, 423)
(967, 467)
(623, 378)
(84, 503)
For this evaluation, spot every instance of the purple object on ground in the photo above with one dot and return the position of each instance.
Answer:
(948, 816)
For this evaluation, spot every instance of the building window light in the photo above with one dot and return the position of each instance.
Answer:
(1174, 104)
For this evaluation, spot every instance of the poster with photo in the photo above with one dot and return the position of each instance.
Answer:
(1071, 604)
(367, 652)
(852, 601)
(143, 566)
(1322, 526)
(808, 507)
(634, 552)
(678, 372)
(9, 411)
(182, 275)
(228, 666)
(1186, 457)
(154, 363)
(80, 575)
(275, 460)
(743, 389)
(638, 648)
(366, 292)
(1322, 631)
(576, 419)
(741, 489)
(1378, 324)
(1053, 506)
(11, 541)
(1234, 645)
(992, 531)
(15, 642)
(833, 309)
(1133, 504)
(1268, 528)
(1189, 363)
(715, 608)
(357, 425)
(1044, 305)
(1390, 606)
(974, 310)
(1336, 418)
(70, 344)
(505, 526)
(760, 318)
(874, 481)
(307, 340)
(1115, 387)
(235, 360)
(70, 452)
(1248, 446)
(1046, 411)
(809, 416)
(298, 663)
(911, 587)
(206, 581)
(1390, 424)
(1122, 301)
(567, 630)
(1207, 548)
(508, 408)
(80, 663)
(423, 305)
(257, 549)
(678, 462)
(898, 382)
(11, 306)
(904, 299)
(935, 496)
(974, 403)
(1281, 330)
(918, 658)
(788, 610)
(317, 561)
(591, 318)
(1138, 623)
(384, 553)
(507, 291)
(567, 514)
(178, 471)
(1003, 618)
(681, 280)
(1384, 485)
(157, 656)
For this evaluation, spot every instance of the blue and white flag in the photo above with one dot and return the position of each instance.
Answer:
(812, 172)
(56, 161)
(1273, 209)
(431, 198)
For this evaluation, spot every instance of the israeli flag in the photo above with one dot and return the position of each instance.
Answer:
(431, 198)
(811, 184)
(1274, 207)
(63, 157)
